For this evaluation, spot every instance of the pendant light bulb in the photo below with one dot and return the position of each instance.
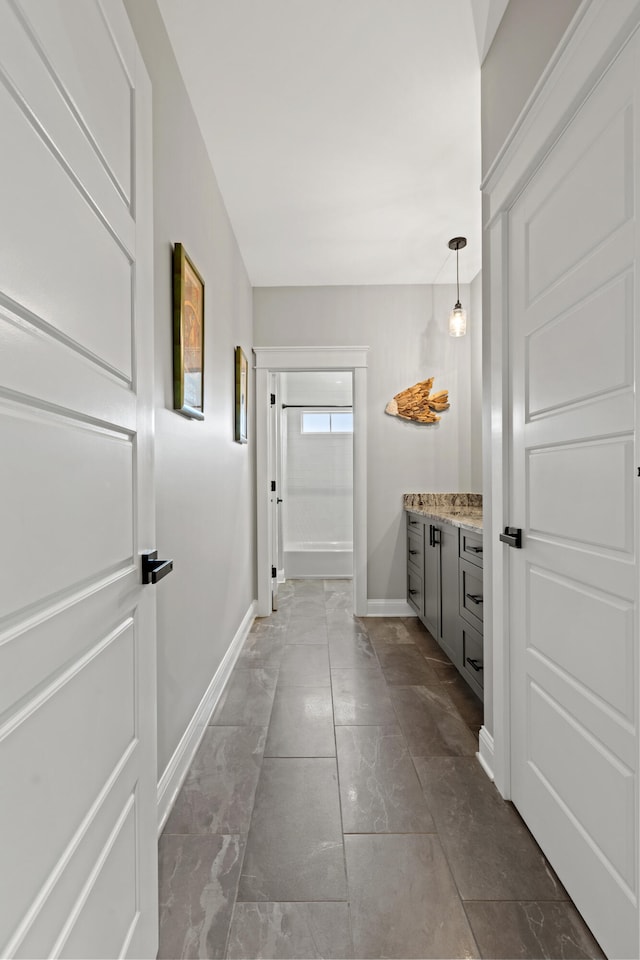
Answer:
(458, 316)
(458, 321)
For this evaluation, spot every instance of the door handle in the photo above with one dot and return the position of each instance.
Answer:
(279, 500)
(436, 537)
(512, 536)
(474, 664)
(413, 552)
(473, 549)
(154, 569)
(413, 592)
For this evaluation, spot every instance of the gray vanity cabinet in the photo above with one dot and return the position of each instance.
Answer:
(432, 577)
(444, 587)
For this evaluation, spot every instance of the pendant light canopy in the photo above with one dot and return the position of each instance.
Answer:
(458, 316)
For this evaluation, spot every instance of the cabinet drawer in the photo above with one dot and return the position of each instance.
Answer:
(471, 547)
(472, 656)
(415, 525)
(471, 594)
(415, 549)
(414, 589)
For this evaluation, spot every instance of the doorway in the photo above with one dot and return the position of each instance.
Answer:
(315, 482)
(347, 363)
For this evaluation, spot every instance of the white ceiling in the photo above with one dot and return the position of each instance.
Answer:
(345, 134)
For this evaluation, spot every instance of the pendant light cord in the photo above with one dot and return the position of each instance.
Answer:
(457, 276)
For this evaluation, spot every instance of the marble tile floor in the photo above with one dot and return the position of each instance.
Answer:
(335, 808)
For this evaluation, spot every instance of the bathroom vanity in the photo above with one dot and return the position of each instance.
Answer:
(444, 575)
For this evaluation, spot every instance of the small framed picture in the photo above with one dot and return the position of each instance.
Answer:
(242, 389)
(188, 336)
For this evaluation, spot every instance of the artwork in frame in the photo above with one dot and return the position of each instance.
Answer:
(242, 384)
(188, 336)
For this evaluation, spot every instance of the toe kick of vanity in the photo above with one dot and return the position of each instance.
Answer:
(444, 576)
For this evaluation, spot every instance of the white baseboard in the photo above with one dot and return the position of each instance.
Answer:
(485, 754)
(389, 608)
(178, 766)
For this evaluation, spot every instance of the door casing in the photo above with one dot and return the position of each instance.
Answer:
(281, 360)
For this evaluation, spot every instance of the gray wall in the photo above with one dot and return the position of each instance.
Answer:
(522, 47)
(204, 481)
(529, 32)
(406, 328)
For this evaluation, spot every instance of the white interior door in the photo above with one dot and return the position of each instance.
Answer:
(78, 815)
(573, 321)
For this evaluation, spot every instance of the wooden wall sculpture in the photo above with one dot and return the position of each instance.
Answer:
(417, 403)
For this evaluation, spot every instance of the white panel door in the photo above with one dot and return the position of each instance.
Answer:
(78, 817)
(573, 318)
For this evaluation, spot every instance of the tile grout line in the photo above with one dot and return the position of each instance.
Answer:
(250, 818)
(344, 846)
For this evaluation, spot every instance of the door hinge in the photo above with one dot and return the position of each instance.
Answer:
(274, 572)
(273, 399)
(273, 486)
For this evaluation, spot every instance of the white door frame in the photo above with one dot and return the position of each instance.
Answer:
(286, 359)
(594, 38)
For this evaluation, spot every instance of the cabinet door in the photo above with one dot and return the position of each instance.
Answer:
(415, 557)
(450, 639)
(432, 579)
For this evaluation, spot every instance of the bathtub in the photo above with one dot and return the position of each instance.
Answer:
(307, 559)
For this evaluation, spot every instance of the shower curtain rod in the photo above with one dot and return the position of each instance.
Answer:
(317, 406)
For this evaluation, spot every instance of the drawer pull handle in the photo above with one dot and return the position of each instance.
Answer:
(474, 549)
(413, 523)
(413, 592)
(413, 552)
(474, 664)
(474, 597)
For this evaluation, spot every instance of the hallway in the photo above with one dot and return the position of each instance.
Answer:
(335, 807)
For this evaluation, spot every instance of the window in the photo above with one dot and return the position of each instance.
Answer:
(327, 422)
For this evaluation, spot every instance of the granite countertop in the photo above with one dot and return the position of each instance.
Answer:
(460, 509)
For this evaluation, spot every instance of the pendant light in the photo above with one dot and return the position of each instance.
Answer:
(458, 316)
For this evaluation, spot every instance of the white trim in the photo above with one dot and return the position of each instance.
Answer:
(281, 359)
(497, 558)
(485, 752)
(281, 576)
(389, 608)
(176, 770)
(597, 34)
(310, 358)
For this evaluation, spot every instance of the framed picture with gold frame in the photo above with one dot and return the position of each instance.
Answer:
(188, 336)
(242, 392)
